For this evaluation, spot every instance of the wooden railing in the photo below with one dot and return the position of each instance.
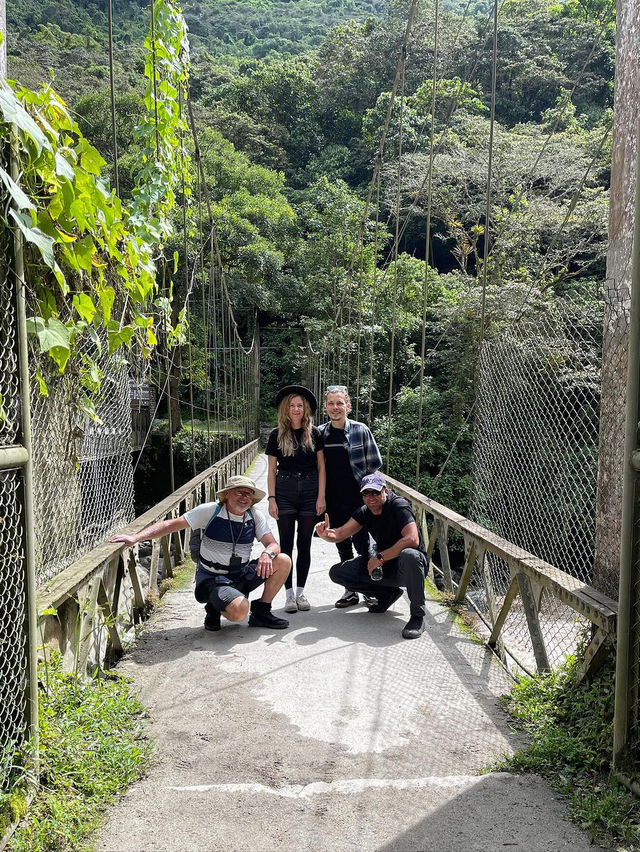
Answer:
(526, 576)
(90, 610)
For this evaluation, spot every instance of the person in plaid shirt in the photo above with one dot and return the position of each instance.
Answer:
(350, 452)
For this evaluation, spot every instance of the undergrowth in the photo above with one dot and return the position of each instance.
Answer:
(92, 746)
(570, 728)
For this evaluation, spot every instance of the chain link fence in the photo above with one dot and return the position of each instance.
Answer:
(535, 460)
(82, 468)
(13, 608)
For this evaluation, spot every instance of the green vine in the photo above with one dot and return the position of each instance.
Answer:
(89, 261)
(165, 162)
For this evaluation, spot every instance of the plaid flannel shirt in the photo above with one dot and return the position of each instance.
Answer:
(363, 451)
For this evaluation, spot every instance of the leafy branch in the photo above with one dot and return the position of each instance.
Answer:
(89, 261)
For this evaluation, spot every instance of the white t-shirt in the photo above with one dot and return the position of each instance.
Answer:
(227, 533)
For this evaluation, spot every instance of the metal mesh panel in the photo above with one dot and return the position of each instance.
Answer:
(82, 469)
(13, 660)
(535, 454)
(13, 650)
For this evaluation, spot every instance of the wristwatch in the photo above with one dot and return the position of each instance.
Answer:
(270, 554)
(380, 557)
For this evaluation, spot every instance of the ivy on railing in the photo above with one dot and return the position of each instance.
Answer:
(89, 261)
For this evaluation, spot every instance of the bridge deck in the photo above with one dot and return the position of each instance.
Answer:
(335, 734)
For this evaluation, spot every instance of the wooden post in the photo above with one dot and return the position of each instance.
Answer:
(443, 547)
(469, 565)
(535, 631)
(166, 556)
(500, 619)
(617, 297)
(153, 569)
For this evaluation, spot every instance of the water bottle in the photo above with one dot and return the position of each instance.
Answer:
(377, 573)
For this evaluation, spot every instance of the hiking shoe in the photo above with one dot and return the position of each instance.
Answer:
(291, 605)
(349, 598)
(413, 628)
(261, 616)
(212, 621)
(385, 601)
(303, 603)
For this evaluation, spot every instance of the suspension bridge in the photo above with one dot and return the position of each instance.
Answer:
(336, 734)
(259, 746)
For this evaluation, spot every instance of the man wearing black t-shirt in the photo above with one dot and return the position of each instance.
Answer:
(350, 452)
(400, 558)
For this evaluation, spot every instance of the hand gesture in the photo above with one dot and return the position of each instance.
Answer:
(324, 530)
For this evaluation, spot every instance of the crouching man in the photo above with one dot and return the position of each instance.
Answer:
(226, 574)
(400, 558)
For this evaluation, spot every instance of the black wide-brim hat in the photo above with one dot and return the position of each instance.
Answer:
(297, 390)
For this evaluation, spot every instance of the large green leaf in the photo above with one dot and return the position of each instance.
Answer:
(53, 333)
(14, 113)
(83, 303)
(21, 199)
(35, 236)
(84, 250)
(107, 298)
(91, 160)
(64, 167)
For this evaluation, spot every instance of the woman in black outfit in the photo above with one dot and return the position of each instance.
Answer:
(296, 482)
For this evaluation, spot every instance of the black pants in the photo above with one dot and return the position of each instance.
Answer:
(339, 514)
(407, 571)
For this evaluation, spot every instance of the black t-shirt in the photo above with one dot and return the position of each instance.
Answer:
(304, 460)
(342, 486)
(386, 528)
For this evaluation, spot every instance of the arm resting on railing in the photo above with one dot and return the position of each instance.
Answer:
(156, 530)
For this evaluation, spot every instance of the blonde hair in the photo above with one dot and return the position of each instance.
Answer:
(343, 391)
(286, 439)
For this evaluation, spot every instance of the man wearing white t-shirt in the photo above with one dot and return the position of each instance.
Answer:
(226, 574)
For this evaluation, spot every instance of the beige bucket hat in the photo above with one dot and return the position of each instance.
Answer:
(241, 482)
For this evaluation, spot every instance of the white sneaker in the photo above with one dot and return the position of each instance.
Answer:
(303, 604)
(291, 605)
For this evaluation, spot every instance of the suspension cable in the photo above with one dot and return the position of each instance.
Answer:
(427, 243)
(114, 136)
(395, 266)
(373, 297)
(494, 66)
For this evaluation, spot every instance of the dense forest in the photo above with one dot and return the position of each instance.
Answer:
(291, 100)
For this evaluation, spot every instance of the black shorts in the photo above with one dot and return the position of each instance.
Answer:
(222, 589)
(296, 493)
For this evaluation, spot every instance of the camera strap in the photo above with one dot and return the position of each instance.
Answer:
(235, 541)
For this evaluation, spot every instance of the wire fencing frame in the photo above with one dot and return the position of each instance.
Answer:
(535, 458)
(13, 592)
(83, 473)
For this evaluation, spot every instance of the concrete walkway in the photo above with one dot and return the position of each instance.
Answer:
(333, 735)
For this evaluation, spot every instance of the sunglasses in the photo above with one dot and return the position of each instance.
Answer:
(332, 388)
(370, 493)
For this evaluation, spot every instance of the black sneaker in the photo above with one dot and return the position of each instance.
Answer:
(212, 621)
(413, 628)
(261, 616)
(349, 598)
(386, 600)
